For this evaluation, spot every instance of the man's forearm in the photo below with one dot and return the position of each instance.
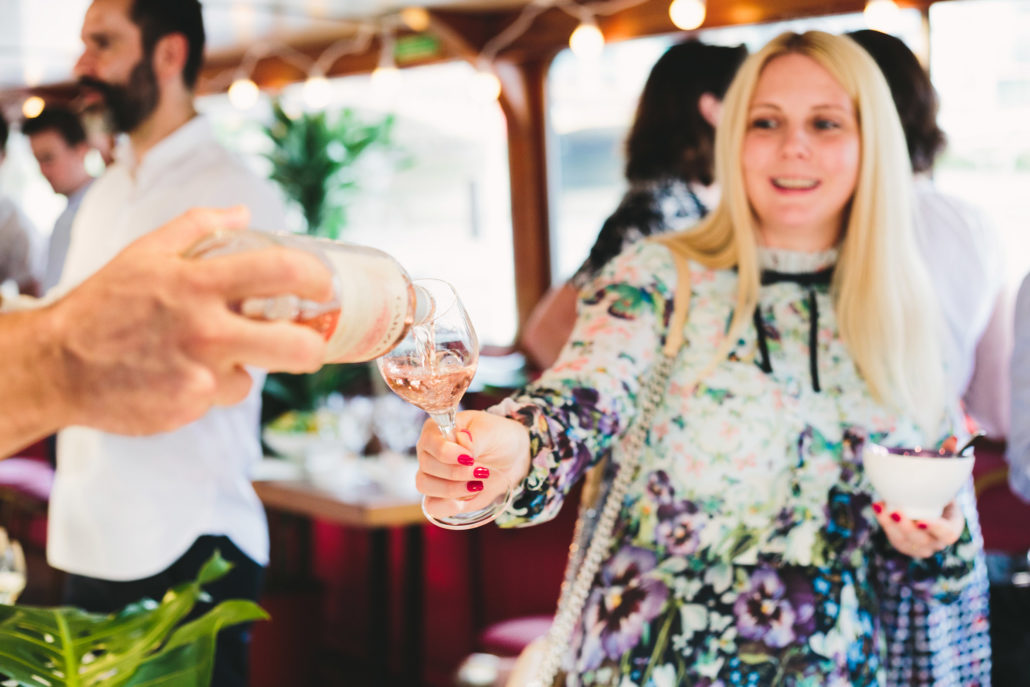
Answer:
(31, 405)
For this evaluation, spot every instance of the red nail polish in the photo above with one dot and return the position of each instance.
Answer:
(895, 517)
(921, 525)
(878, 508)
(466, 433)
(465, 459)
(474, 486)
(481, 473)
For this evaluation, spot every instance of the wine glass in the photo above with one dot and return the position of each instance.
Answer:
(12, 569)
(431, 367)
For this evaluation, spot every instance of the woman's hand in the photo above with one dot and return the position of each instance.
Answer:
(492, 452)
(921, 538)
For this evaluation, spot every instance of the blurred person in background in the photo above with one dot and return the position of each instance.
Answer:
(131, 517)
(940, 643)
(669, 168)
(1019, 439)
(21, 254)
(1010, 603)
(58, 142)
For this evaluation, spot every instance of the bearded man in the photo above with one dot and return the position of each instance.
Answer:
(132, 516)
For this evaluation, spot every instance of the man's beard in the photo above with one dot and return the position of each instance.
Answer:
(131, 103)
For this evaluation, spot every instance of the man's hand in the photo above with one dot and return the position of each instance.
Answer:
(150, 342)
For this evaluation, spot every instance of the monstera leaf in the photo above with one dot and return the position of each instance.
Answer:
(142, 645)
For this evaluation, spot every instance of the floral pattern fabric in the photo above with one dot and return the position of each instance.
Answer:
(746, 552)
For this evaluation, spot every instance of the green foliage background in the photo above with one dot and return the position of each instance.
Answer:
(313, 161)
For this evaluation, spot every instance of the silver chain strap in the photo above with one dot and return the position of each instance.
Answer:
(581, 569)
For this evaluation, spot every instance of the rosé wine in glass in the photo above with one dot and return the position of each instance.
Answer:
(431, 367)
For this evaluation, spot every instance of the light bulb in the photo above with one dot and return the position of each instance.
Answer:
(33, 73)
(243, 94)
(33, 107)
(417, 18)
(587, 40)
(882, 15)
(486, 86)
(386, 79)
(687, 14)
(291, 108)
(316, 92)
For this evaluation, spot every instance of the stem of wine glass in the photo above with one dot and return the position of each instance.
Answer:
(447, 422)
(462, 521)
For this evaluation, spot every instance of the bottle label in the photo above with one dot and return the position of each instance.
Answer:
(375, 298)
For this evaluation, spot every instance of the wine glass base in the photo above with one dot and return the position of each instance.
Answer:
(475, 518)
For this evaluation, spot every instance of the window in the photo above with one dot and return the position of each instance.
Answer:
(980, 66)
(445, 210)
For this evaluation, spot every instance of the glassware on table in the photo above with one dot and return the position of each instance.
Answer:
(397, 424)
(12, 569)
(431, 368)
(373, 294)
(353, 417)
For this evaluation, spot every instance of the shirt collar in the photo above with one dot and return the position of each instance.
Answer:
(169, 150)
(792, 261)
(76, 196)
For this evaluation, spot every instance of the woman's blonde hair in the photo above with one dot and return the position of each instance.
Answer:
(885, 308)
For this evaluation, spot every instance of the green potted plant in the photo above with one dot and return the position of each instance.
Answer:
(145, 644)
(313, 160)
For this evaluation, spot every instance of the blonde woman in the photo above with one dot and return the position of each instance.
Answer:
(746, 549)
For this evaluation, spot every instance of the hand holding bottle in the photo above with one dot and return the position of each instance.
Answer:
(149, 342)
(372, 307)
(489, 454)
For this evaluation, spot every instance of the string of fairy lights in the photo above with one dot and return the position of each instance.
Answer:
(586, 41)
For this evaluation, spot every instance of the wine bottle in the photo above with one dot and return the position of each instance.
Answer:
(374, 302)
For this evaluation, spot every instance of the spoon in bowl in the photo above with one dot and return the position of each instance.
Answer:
(966, 447)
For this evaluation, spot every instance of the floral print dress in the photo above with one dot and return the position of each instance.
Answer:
(746, 549)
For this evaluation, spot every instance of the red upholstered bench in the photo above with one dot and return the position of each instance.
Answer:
(510, 637)
(31, 476)
(25, 484)
(498, 648)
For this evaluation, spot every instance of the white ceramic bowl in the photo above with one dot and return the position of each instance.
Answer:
(918, 483)
(297, 445)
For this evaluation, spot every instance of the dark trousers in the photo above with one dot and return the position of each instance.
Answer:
(1010, 636)
(242, 582)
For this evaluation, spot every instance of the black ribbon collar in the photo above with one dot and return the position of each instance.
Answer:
(807, 280)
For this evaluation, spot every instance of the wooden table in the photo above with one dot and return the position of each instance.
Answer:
(376, 513)
(304, 498)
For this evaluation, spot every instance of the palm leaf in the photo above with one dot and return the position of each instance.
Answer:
(143, 644)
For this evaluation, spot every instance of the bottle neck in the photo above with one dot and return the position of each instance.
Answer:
(424, 305)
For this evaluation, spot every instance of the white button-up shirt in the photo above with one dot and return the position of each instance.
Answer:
(57, 247)
(964, 255)
(124, 508)
(21, 255)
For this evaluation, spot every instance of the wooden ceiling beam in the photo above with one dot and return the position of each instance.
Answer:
(463, 34)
